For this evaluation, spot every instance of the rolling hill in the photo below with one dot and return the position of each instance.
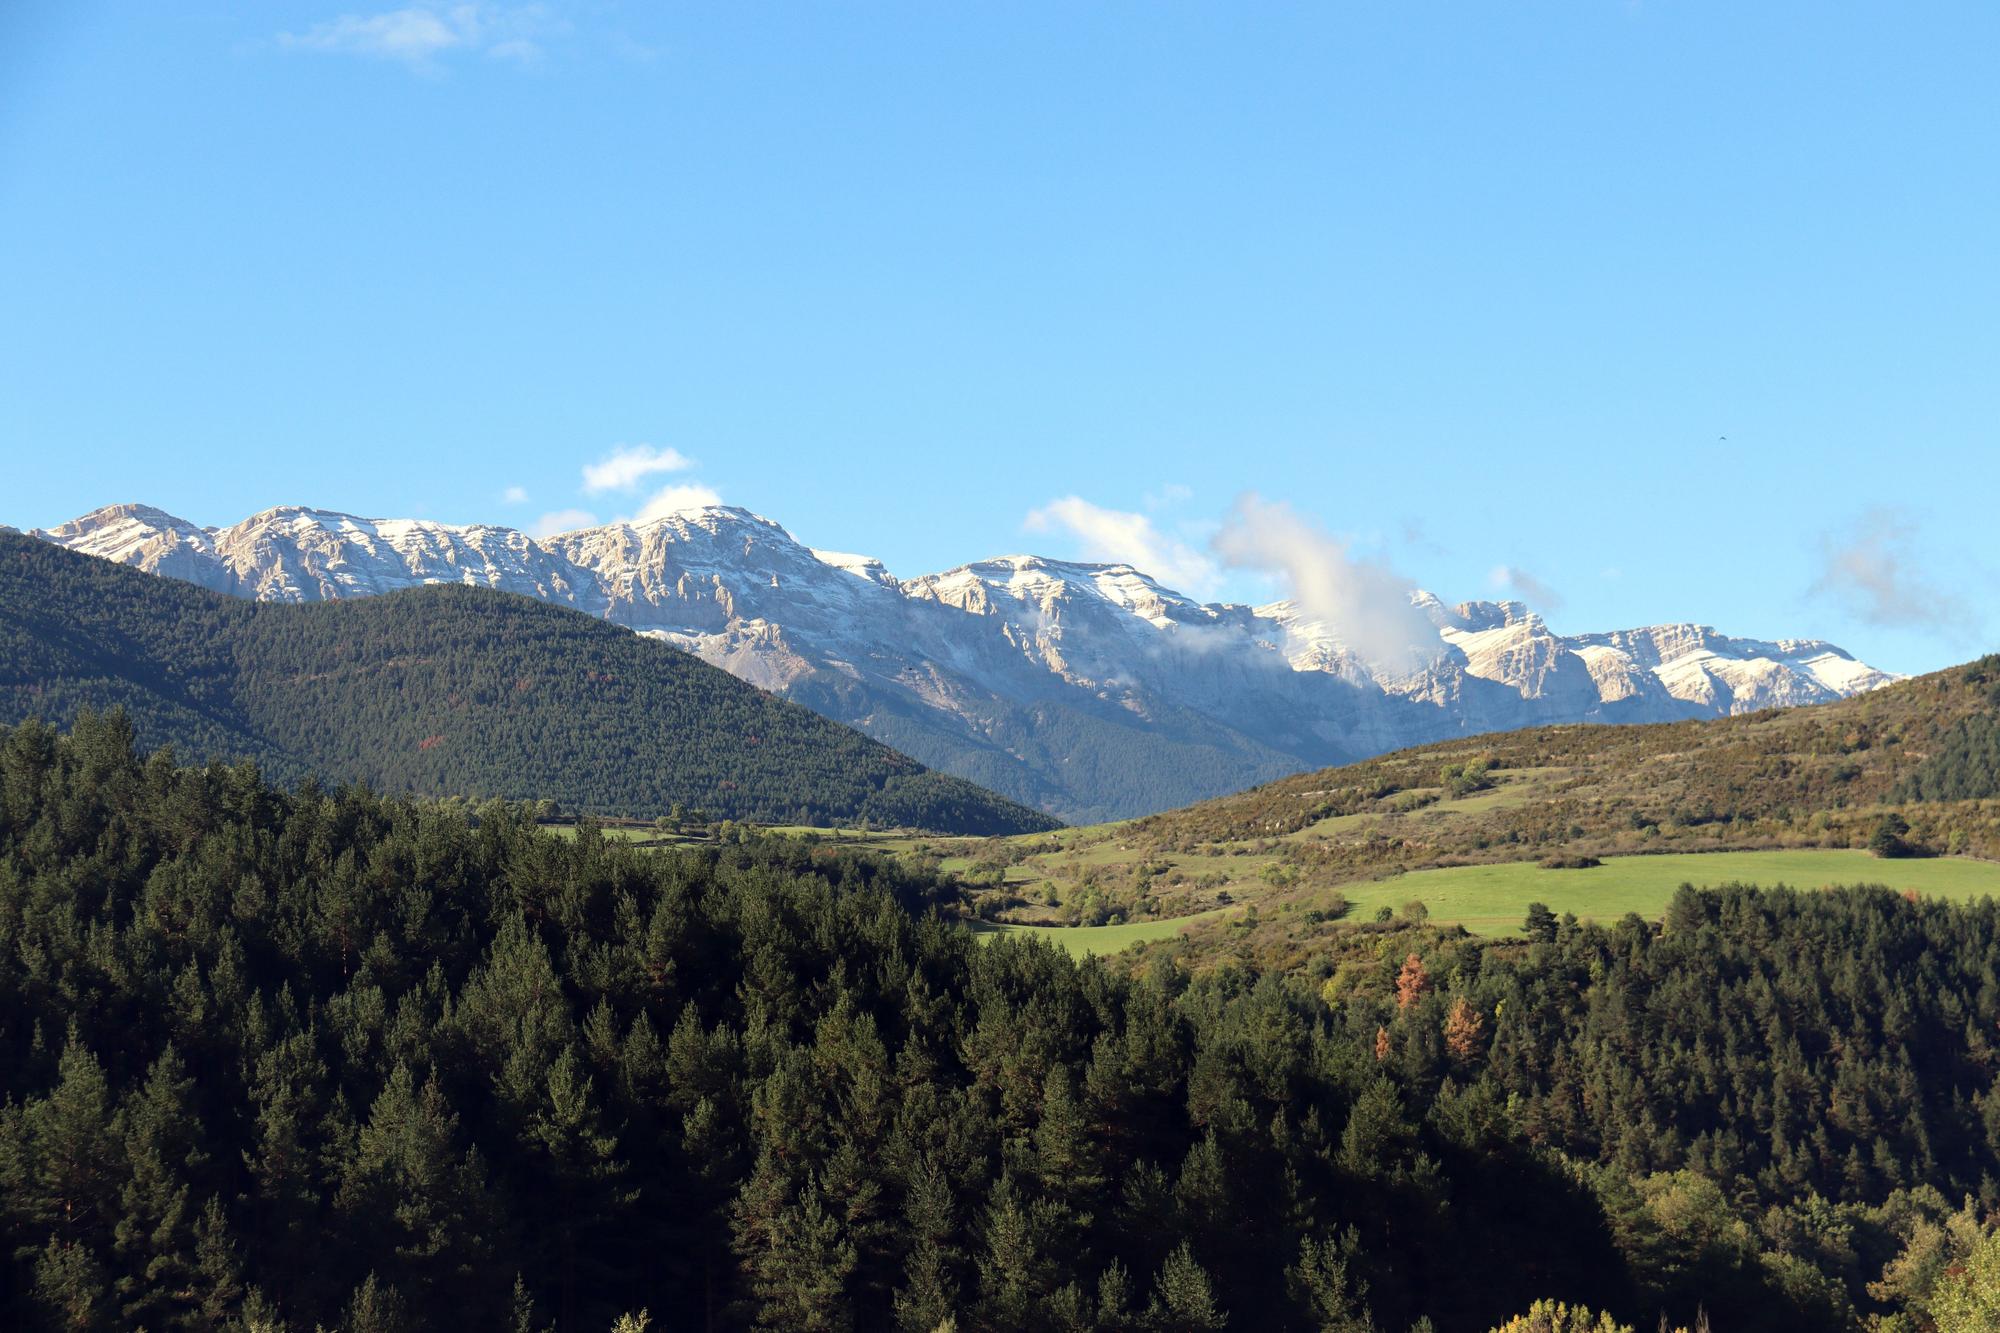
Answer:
(1899, 786)
(447, 690)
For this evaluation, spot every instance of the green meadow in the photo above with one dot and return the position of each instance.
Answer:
(1493, 899)
(1487, 900)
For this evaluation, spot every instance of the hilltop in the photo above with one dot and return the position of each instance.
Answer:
(447, 690)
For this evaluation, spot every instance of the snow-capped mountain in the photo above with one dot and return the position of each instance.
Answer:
(1090, 690)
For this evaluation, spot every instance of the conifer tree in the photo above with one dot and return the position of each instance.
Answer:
(929, 1293)
(1183, 1297)
(155, 1234)
(1013, 1270)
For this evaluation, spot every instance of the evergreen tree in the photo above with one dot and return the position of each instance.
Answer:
(1183, 1297)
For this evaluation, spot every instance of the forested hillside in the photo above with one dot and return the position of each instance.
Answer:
(283, 1059)
(447, 691)
(1620, 788)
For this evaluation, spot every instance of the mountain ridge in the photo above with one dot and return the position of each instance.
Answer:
(446, 690)
(1091, 690)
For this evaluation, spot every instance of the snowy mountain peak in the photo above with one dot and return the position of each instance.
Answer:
(712, 518)
(1089, 689)
(861, 566)
(1474, 617)
(116, 527)
(1052, 586)
(152, 539)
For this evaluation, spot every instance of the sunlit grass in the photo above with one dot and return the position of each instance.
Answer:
(1493, 899)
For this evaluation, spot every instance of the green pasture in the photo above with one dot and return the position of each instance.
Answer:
(1493, 899)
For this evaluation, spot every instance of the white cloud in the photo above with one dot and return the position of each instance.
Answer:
(1871, 568)
(673, 500)
(514, 495)
(629, 464)
(420, 34)
(1365, 604)
(1119, 537)
(1539, 595)
(562, 520)
(518, 49)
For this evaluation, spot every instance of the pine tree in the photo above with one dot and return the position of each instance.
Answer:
(794, 1256)
(219, 1289)
(1540, 925)
(70, 1284)
(1321, 1285)
(292, 1145)
(417, 1197)
(1183, 1297)
(376, 1308)
(579, 1159)
(154, 1238)
(929, 1294)
(1013, 1271)
(59, 1157)
(1065, 1158)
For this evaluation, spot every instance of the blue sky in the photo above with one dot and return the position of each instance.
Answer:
(1476, 290)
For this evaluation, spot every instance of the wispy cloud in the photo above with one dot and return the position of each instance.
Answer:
(629, 464)
(674, 500)
(1364, 603)
(561, 520)
(514, 495)
(1873, 570)
(1512, 578)
(420, 35)
(1116, 536)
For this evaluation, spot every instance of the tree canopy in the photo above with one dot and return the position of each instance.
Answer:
(289, 1058)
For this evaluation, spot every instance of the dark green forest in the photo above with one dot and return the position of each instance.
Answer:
(283, 1058)
(1965, 765)
(448, 690)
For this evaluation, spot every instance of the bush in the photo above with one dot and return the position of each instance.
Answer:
(1464, 779)
(1887, 840)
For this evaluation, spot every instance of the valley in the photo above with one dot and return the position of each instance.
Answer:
(1595, 821)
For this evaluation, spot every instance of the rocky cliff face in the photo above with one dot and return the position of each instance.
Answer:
(1089, 690)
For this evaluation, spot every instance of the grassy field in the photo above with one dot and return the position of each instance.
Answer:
(1195, 881)
(1492, 899)
(1487, 900)
(1084, 940)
